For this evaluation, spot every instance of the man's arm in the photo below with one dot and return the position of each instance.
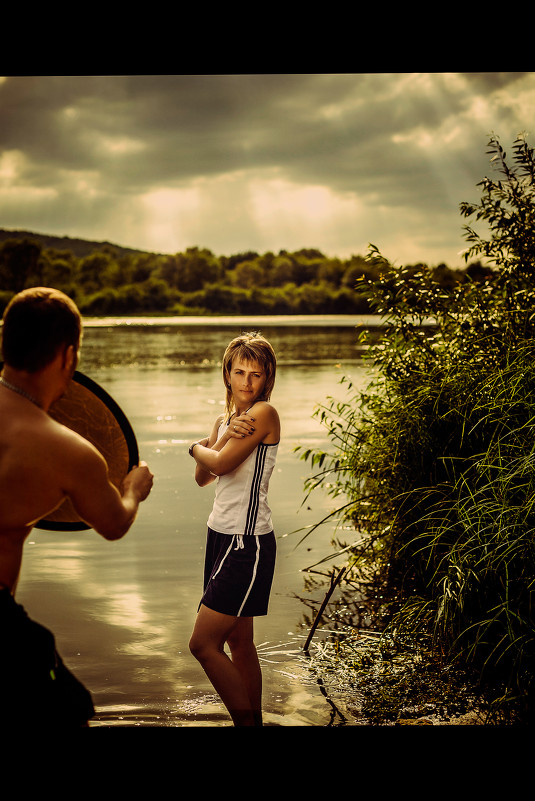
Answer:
(97, 501)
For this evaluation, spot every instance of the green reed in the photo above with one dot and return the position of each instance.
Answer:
(436, 459)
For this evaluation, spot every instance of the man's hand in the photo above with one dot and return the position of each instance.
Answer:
(139, 481)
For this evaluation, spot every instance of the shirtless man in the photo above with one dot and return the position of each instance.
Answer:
(42, 463)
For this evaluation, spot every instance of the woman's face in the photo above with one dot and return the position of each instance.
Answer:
(247, 381)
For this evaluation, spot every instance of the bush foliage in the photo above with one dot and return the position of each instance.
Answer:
(436, 459)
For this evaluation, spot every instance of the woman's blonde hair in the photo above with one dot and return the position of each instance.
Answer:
(250, 347)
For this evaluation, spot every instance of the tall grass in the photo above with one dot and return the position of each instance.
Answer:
(436, 460)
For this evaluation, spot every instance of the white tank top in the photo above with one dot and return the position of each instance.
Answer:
(240, 504)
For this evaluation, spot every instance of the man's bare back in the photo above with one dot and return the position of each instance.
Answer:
(42, 462)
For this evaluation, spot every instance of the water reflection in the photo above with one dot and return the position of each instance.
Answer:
(122, 612)
(188, 343)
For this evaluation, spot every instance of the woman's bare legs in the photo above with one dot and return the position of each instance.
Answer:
(245, 658)
(237, 680)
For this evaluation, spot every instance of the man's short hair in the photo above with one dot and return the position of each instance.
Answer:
(37, 323)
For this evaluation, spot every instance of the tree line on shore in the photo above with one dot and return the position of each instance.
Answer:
(110, 280)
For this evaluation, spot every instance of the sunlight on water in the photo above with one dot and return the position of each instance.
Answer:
(122, 612)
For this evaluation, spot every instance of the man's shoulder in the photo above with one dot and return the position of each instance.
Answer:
(67, 440)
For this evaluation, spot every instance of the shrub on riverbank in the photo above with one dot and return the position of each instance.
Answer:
(437, 457)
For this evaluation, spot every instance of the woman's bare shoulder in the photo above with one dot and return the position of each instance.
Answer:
(267, 421)
(264, 409)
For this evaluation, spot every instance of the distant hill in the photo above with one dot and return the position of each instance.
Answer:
(80, 247)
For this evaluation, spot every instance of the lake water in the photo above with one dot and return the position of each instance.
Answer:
(122, 612)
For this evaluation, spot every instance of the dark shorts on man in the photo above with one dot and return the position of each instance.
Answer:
(238, 573)
(35, 685)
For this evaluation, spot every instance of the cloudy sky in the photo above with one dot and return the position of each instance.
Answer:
(256, 161)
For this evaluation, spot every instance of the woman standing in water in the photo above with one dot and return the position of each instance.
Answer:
(240, 552)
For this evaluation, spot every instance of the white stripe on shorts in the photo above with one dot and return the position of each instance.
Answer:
(256, 536)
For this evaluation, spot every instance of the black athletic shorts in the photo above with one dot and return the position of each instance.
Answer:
(36, 688)
(238, 573)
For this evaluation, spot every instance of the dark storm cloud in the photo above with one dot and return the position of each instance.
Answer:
(96, 147)
(487, 82)
(333, 129)
(189, 124)
(208, 124)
